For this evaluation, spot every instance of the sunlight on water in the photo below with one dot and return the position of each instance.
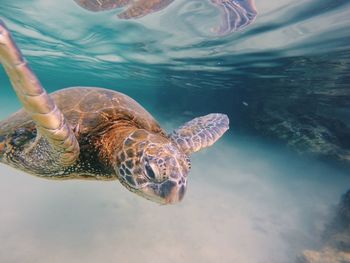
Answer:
(69, 32)
(284, 82)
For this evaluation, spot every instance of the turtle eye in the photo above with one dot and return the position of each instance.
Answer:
(149, 171)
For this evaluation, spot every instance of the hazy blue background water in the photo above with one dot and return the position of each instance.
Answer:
(250, 199)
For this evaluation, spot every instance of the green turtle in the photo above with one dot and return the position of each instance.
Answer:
(235, 14)
(99, 134)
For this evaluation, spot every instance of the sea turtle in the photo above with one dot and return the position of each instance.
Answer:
(236, 14)
(95, 133)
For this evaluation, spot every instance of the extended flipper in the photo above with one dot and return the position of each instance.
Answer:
(200, 132)
(49, 120)
(236, 14)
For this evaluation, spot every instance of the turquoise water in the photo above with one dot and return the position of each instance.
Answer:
(264, 193)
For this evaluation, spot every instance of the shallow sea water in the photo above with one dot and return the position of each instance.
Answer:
(249, 199)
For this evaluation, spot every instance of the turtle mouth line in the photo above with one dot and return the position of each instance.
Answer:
(166, 193)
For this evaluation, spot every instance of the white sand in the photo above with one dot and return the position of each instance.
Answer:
(245, 204)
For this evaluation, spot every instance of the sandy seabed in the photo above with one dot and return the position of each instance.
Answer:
(246, 202)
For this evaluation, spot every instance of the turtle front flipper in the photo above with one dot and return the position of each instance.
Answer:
(141, 8)
(236, 14)
(200, 132)
(49, 120)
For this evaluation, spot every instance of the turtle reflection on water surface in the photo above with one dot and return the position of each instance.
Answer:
(95, 133)
(236, 14)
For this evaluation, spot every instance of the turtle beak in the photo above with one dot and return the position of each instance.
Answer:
(172, 192)
(169, 192)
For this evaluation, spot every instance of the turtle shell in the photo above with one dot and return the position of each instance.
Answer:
(89, 108)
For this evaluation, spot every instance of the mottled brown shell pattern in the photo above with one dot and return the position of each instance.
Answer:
(88, 109)
(100, 119)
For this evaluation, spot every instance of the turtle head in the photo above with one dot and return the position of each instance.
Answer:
(152, 166)
(156, 166)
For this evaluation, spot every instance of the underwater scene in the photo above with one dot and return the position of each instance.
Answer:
(265, 84)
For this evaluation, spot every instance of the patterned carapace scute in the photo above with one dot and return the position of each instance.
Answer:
(235, 14)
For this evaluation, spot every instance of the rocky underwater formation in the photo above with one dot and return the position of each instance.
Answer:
(302, 102)
(336, 238)
(307, 107)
